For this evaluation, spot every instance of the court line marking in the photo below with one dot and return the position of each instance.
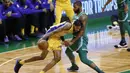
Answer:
(18, 49)
(18, 57)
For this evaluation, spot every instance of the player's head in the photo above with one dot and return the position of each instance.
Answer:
(7, 3)
(77, 6)
(77, 25)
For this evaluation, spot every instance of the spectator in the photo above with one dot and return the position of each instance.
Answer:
(12, 19)
(2, 29)
(27, 9)
(45, 16)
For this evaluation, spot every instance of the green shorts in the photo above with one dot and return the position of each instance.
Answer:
(79, 44)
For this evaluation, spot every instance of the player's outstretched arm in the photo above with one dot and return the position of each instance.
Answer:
(108, 1)
(54, 29)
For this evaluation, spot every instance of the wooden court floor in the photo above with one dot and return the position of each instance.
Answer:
(101, 52)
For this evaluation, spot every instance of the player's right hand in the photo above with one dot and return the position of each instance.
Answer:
(103, 9)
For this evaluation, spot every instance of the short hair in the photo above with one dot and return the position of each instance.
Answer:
(78, 23)
(79, 3)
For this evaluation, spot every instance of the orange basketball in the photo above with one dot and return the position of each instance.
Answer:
(42, 45)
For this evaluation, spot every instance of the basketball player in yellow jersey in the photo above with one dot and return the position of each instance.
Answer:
(63, 5)
(51, 42)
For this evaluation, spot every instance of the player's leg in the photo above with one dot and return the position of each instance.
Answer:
(58, 14)
(69, 12)
(128, 28)
(55, 60)
(122, 43)
(20, 62)
(83, 57)
(71, 57)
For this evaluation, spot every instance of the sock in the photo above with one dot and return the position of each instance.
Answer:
(22, 62)
(73, 64)
(42, 72)
(98, 70)
(22, 31)
(32, 29)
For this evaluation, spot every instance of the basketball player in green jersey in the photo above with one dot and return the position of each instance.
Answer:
(79, 41)
(124, 20)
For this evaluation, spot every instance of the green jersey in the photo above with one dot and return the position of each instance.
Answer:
(121, 4)
(77, 17)
(83, 41)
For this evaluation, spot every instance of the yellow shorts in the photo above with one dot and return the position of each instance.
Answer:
(67, 7)
(54, 44)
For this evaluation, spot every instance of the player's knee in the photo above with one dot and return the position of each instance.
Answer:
(42, 58)
(85, 61)
(57, 59)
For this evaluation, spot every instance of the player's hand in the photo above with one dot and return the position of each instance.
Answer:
(103, 8)
(0, 21)
(67, 43)
(51, 6)
(44, 10)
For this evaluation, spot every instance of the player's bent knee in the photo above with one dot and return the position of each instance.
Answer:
(42, 58)
(42, 44)
(57, 59)
(85, 61)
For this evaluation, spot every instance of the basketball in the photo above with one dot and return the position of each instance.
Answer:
(42, 45)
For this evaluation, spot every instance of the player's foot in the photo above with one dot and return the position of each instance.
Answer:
(73, 68)
(128, 49)
(121, 45)
(17, 66)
